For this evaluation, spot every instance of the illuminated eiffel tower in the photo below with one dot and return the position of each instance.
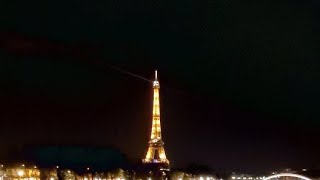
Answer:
(156, 154)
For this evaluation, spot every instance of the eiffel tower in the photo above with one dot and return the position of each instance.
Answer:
(156, 154)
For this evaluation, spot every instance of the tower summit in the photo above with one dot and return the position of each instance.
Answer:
(156, 153)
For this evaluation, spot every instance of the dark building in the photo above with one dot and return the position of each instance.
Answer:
(78, 158)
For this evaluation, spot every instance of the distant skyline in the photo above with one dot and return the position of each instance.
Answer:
(239, 79)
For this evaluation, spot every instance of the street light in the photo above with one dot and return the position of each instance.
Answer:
(20, 173)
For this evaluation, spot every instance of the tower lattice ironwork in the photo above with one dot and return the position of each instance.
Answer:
(156, 153)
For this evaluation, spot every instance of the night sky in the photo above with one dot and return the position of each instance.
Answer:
(239, 79)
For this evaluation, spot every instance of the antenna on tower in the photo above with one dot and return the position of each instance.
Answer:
(156, 74)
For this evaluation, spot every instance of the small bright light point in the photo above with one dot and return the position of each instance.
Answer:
(233, 177)
(22, 165)
(201, 178)
(57, 167)
(69, 171)
(88, 169)
(244, 178)
(51, 178)
(304, 169)
(35, 167)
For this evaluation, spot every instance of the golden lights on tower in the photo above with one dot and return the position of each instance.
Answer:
(156, 152)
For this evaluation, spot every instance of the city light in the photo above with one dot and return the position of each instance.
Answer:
(286, 175)
(33, 173)
(20, 173)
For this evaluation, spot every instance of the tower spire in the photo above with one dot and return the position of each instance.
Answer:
(156, 153)
(156, 75)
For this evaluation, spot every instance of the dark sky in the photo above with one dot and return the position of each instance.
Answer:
(239, 79)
